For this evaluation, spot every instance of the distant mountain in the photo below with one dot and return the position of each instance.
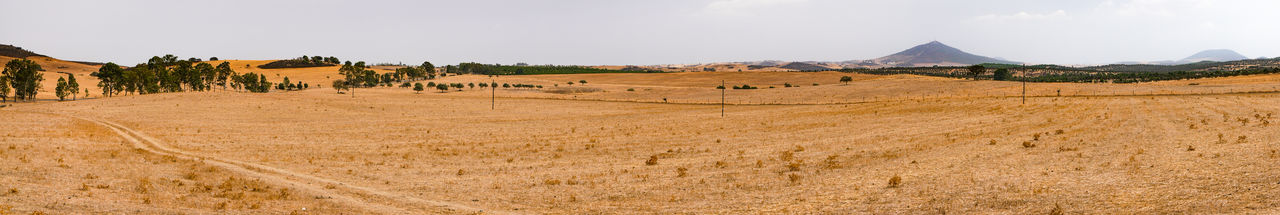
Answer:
(1218, 55)
(1214, 55)
(934, 53)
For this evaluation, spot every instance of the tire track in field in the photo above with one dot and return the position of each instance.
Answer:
(368, 198)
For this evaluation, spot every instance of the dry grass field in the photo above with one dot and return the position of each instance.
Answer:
(879, 145)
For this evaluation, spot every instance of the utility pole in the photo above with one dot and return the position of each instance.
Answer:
(721, 98)
(493, 94)
(1024, 84)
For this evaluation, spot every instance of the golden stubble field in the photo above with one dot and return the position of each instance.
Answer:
(831, 148)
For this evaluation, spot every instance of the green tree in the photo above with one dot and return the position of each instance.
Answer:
(24, 76)
(582, 81)
(428, 68)
(222, 72)
(263, 84)
(354, 75)
(61, 89)
(846, 79)
(417, 87)
(976, 70)
(203, 77)
(340, 85)
(73, 86)
(4, 88)
(442, 87)
(1002, 75)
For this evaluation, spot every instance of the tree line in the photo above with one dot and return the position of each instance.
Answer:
(357, 75)
(168, 74)
(300, 62)
(497, 69)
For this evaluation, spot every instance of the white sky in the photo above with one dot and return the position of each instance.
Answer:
(594, 32)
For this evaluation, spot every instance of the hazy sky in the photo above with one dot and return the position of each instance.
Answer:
(638, 32)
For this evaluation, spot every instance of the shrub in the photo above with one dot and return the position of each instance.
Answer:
(832, 162)
(895, 181)
(653, 160)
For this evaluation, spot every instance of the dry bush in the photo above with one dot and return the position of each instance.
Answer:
(1057, 210)
(795, 165)
(1242, 139)
(1028, 144)
(1067, 149)
(794, 178)
(993, 142)
(1035, 137)
(832, 162)
(1059, 131)
(787, 156)
(551, 182)
(895, 181)
(682, 172)
(144, 185)
(721, 164)
(653, 160)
